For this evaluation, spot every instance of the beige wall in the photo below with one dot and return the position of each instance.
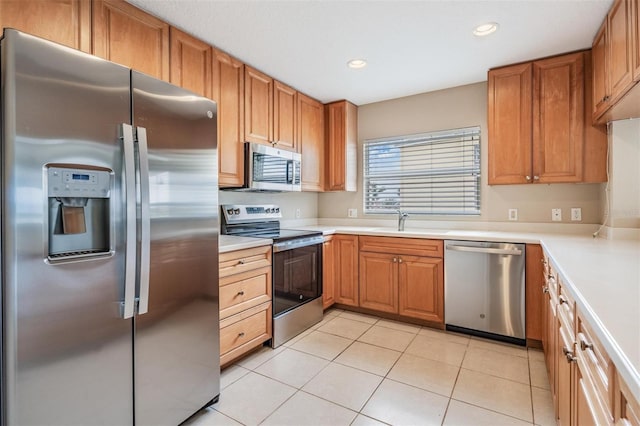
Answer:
(455, 108)
(307, 202)
(624, 174)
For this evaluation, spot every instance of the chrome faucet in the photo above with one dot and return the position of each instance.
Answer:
(402, 216)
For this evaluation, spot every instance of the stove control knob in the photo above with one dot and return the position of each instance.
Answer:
(230, 212)
(267, 210)
(277, 209)
(236, 211)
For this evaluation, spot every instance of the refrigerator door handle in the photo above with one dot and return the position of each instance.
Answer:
(127, 307)
(145, 222)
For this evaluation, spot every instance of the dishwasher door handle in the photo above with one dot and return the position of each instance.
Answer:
(509, 252)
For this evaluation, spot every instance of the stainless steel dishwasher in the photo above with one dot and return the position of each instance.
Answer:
(484, 289)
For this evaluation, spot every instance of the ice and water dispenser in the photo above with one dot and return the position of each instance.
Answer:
(79, 211)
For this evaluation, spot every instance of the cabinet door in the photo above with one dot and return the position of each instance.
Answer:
(346, 264)
(341, 133)
(190, 63)
(509, 122)
(565, 372)
(421, 288)
(66, 22)
(534, 303)
(328, 273)
(589, 411)
(228, 92)
(379, 281)
(600, 82)
(284, 116)
(125, 34)
(258, 106)
(558, 125)
(310, 134)
(635, 5)
(550, 348)
(620, 47)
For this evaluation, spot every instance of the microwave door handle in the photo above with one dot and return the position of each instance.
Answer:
(290, 171)
(145, 222)
(127, 307)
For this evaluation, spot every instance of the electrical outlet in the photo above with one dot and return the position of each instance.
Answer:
(556, 215)
(352, 213)
(297, 213)
(513, 214)
(576, 214)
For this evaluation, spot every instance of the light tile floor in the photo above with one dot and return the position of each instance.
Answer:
(353, 369)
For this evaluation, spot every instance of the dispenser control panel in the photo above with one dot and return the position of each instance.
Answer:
(85, 183)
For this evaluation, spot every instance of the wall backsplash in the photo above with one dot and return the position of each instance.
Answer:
(307, 202)
(458, 107)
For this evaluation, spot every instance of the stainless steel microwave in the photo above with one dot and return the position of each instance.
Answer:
(271, 169)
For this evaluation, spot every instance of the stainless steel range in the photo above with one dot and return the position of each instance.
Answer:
(296, 270)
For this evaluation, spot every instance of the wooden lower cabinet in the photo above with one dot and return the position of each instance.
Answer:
(396, 277)
(328, 273)
(346, 269)
(534, 283)
(245, 301)
(627, 409)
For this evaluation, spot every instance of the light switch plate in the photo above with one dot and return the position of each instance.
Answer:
(297, 213)
(513, 214)
(352, 213)
(556, 215)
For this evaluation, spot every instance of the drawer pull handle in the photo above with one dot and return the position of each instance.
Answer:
(562, 299)
(241, 293)
(568, 354)
(241, 334)
(395, 259)
(545, 290)
(550, 277)
(241, 262)
(584, 345)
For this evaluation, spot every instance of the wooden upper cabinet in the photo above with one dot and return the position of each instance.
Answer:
(510, 119)
(228, 92)
(635, 7)
(125, 34)
(558, 118)
(341, 123)
(190, 63)
(310, 135)
(66, 22)
(258, 106)
(620, 43)
(284, 116)
(600, 84)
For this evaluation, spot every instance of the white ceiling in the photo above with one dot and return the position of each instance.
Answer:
(411, 46)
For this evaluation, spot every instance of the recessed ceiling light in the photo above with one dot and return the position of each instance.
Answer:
(357, 63)
(485, 29)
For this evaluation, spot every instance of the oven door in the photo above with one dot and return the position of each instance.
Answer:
(297, 274)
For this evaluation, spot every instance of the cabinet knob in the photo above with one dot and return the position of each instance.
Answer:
(528, 178)
(399, 260)
(241, 293)
(241, 334)
(241, 262)
(536, 178)
(545, 290)
(562, 299)
(584, 345)
(568, 354)
(395, 259)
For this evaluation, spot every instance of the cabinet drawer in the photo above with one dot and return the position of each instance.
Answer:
(597, 364)
(243, 291)
(627, 408)
(409, 246)
(235, 262)
(244, 331)
(566, 307)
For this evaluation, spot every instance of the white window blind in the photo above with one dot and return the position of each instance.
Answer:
(434, 173)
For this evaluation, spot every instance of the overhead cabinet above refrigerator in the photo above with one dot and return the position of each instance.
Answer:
(109, 242)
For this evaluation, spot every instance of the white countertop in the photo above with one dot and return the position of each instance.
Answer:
(227, 243)
(602, 275)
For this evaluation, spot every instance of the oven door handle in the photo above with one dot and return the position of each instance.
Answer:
(298, 243)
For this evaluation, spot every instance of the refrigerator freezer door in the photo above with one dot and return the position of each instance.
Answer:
(67, 351)
(177, 339)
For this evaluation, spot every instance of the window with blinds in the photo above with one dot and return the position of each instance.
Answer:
(434, 173)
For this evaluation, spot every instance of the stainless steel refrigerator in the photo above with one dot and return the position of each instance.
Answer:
(109, 242)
